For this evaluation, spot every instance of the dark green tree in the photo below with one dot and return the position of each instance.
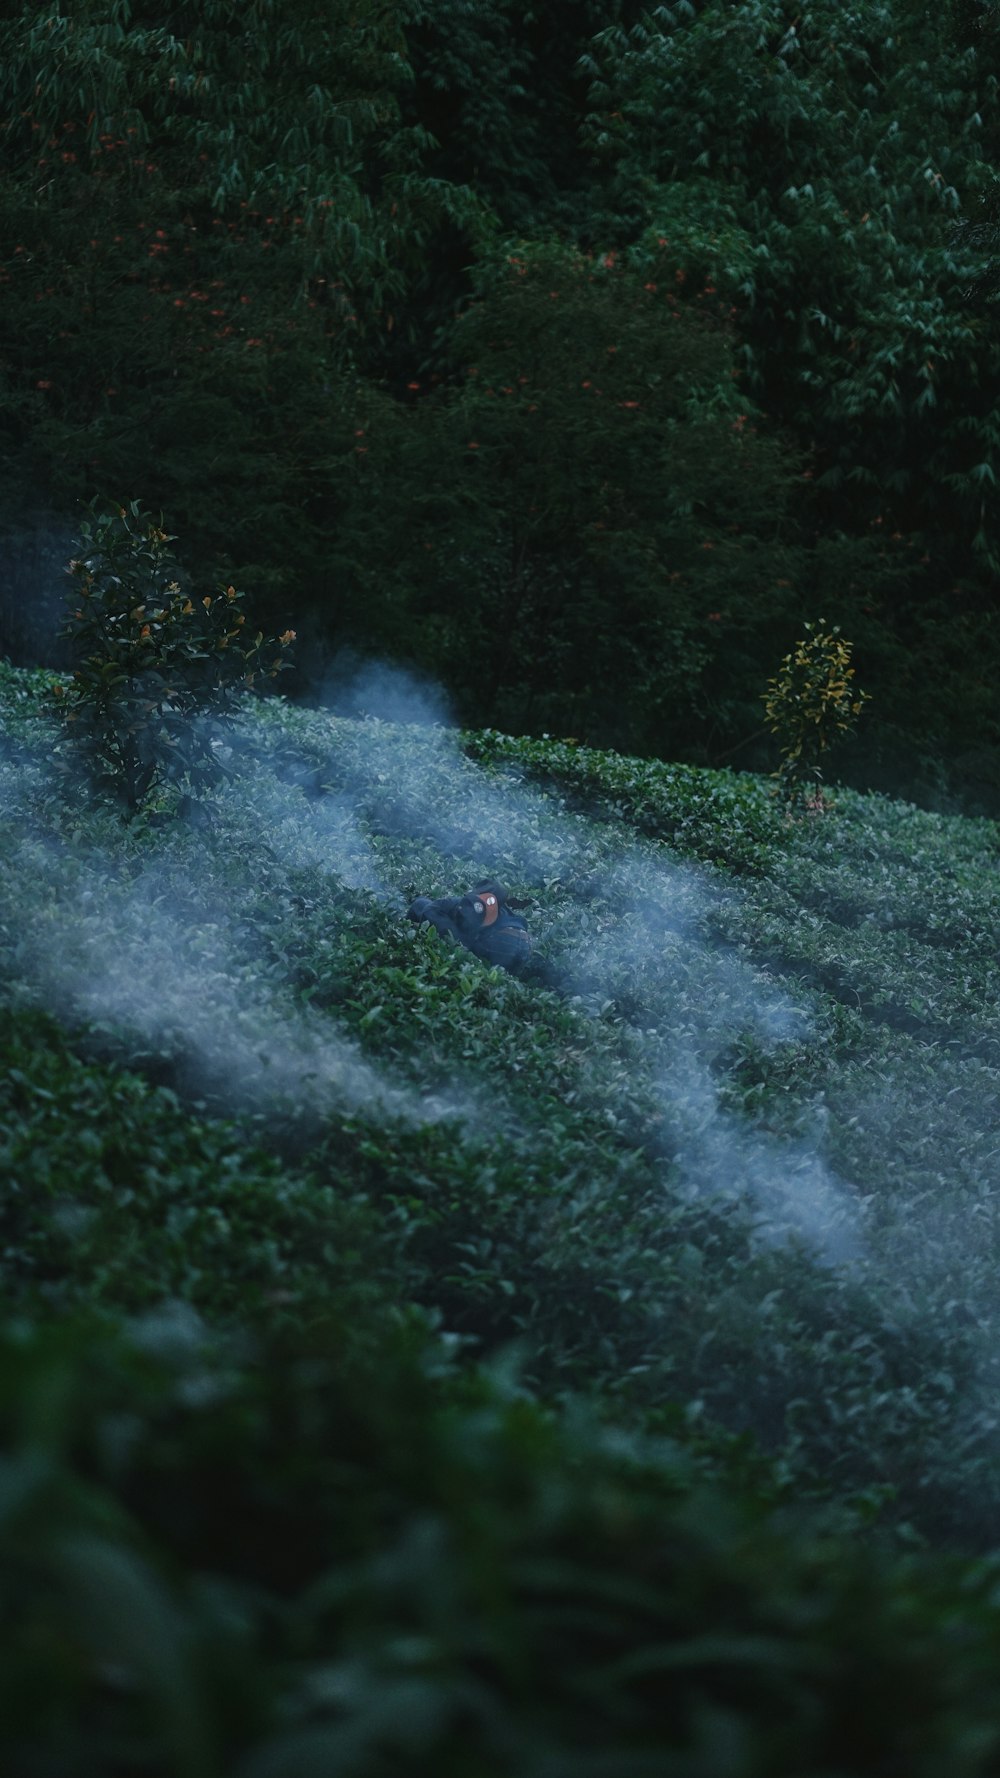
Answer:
(587, 521)
(813, 164)
(212, 219)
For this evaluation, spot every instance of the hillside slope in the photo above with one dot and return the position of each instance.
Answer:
(722, 1166)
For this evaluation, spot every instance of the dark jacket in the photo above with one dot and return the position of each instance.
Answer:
(481, 921)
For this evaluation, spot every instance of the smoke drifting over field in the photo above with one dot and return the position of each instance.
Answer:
(690, 998)
(663, 1147)
(157, 956)
(192, 1011)
(366, 688)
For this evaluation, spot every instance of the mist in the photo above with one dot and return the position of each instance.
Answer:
(172, 948)
(355, 686)
(136, 942)
(636, 947)
(148, 955)
(386, 806)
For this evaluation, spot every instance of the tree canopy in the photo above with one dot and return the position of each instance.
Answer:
(284, 273)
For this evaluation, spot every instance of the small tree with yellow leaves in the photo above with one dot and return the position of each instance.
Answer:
(810, 704)
(159, 670)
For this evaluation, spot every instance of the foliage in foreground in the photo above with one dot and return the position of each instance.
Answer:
(337, 1555)
(411, 1368)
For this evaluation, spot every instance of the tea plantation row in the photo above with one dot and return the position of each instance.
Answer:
(408, 1368)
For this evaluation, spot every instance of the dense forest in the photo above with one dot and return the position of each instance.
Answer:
(575, 355)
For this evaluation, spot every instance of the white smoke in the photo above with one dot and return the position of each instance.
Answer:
(633, 943)
(145, 944)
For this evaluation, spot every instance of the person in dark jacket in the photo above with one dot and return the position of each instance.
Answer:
(482, 921)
